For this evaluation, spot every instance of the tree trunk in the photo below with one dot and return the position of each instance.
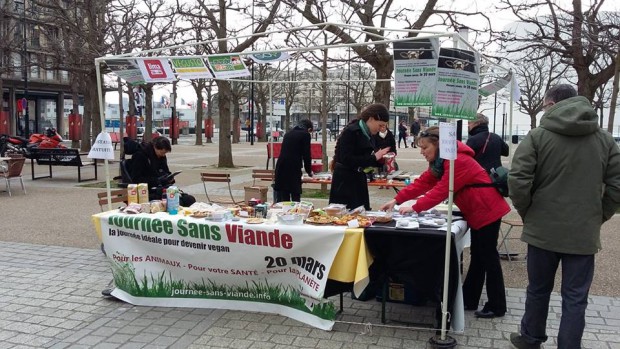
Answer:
(75, 98)
(383, 89)
(236, 121)
(209, 90)
(147, 114)
(199, 114)
(223, 101)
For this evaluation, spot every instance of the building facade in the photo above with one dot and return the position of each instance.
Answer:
(33, 92)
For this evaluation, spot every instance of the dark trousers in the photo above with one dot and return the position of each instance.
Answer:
(403, 137)
(577, 273)
(283, 195)
(485, 263)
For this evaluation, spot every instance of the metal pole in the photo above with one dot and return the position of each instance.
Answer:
(174, 110)
(503, 121)
(251, 107)
(495, 112)
(349, 88)
(25, 73)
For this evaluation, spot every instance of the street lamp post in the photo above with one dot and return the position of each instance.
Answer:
(25, 69)
(251, 106)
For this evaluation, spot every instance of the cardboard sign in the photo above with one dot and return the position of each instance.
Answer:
(102, 149)
(447, 140)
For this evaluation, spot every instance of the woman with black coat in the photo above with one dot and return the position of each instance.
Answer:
(355, 155)
(295, 152)
(488, 146)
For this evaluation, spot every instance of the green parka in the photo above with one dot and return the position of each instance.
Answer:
(565, 179)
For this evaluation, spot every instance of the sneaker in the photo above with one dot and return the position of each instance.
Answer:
(518, 342)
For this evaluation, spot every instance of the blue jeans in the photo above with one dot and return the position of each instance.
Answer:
(577, 273)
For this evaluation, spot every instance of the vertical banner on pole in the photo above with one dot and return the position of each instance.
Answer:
(415, 72)
(458, 78)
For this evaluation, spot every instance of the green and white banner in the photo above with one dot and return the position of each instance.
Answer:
(177, 261)
(226, 67)
(191, 68)
(456, 92)
(126, 69)
(415, 72)
(269, 57)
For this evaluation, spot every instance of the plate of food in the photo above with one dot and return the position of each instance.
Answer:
(320, 220)
(255, 220)
(362, 221)
(199, 214)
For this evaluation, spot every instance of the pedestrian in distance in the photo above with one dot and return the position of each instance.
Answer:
(402, 133)
(564, 182)
(295, 153)
(488, 146)
(355, 155)
(482, 208)
(415, 130)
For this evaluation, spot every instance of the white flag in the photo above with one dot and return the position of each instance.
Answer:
(516, 93)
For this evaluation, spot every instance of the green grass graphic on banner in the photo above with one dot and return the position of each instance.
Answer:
(161, 285)
(454, 112)
(414, 100)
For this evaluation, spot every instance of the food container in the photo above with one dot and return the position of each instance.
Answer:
(290, 218)
(389, 162)
(379, 216)
(335, 210)
(132, 193)
(143, 193)
(218, 215)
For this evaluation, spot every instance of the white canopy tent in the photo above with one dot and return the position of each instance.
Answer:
(457, 40)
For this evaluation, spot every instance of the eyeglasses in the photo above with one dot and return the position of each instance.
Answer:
(424, 134)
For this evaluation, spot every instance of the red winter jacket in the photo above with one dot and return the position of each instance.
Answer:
(480, 205)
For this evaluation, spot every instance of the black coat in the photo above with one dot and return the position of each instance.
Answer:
(495, 149)
(402, 130)
(146, 167)
(415, 128)
(295, 153)
(388, 141)
(353, 153)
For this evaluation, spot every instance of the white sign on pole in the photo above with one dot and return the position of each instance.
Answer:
(102, 149)
(447, 140)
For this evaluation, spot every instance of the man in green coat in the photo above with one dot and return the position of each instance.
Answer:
(564, 182)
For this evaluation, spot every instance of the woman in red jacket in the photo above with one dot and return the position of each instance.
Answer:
(482, 207)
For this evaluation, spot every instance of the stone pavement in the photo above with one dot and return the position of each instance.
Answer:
(50, 294)
(50, 298)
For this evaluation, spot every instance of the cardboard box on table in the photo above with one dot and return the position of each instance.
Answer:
(256, 192)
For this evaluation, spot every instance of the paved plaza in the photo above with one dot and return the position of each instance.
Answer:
(52, 274)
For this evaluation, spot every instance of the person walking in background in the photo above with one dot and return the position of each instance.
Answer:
(355, 154)
(488, 146)
(295, 154)
(482, 208)
(564, 182)
(402, 133)
(415, 130)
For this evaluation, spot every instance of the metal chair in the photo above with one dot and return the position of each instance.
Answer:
(14, 170)
(218, 178)
(505, 236)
